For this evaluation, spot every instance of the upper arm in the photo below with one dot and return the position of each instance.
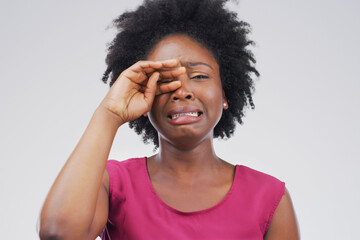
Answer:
(102, 208)
(283, 225)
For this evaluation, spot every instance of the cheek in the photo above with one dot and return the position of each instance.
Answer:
(158, 103)
(157, 106)
(214, 98)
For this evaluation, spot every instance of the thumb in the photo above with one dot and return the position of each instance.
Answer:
(151, 86)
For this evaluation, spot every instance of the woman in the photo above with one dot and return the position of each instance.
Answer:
(191, 85)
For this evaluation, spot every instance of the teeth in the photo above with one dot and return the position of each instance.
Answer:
(194, 114)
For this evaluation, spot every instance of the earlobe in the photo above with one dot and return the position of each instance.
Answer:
(226, 105)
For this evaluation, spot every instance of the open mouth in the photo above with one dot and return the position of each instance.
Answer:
(192, 114)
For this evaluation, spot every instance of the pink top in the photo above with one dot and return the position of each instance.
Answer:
(137, 212)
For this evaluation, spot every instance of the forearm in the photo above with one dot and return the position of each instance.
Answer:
(71, 201)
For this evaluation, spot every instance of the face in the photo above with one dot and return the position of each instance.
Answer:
(191, 112)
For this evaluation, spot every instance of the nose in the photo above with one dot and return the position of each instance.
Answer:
(183, 92)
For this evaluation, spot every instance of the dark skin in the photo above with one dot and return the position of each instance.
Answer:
(186, 173)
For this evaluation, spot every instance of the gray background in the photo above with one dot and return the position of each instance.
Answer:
(304, 129)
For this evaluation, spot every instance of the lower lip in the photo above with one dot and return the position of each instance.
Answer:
(185, 119)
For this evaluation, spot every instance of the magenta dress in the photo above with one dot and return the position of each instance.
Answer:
(137, 212)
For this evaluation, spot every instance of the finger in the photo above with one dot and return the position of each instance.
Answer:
(141, 77)
(167, 87)
(150, 91)
(170, 63)
(166, 74)
(140, 71)
(137, 77)
(153, 65)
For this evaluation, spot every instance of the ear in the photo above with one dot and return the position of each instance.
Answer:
(225, 102)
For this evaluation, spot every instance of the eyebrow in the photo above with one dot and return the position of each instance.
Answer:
(193, 64)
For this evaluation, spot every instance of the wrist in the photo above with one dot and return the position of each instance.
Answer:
(109, 117)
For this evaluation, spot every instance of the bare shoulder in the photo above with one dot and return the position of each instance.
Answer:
(283, 224)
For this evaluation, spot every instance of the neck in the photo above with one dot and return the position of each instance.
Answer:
(188, 162)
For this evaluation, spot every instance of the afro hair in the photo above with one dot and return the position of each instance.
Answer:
(206, 21)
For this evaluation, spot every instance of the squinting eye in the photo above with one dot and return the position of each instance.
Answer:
(200, 76)
(168, 80)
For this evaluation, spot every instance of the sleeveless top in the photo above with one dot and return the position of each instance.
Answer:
(137, 212)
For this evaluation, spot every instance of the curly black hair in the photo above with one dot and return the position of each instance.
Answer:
(206, 21)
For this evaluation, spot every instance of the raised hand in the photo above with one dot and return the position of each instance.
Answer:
(134, 91)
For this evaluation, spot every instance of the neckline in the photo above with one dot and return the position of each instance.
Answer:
(152, 189)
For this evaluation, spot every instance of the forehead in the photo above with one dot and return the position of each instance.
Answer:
(183, 48)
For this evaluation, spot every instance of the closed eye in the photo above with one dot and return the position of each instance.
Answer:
(199, 77)
(166, 80)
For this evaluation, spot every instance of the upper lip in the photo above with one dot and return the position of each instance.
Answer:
(183, 109)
